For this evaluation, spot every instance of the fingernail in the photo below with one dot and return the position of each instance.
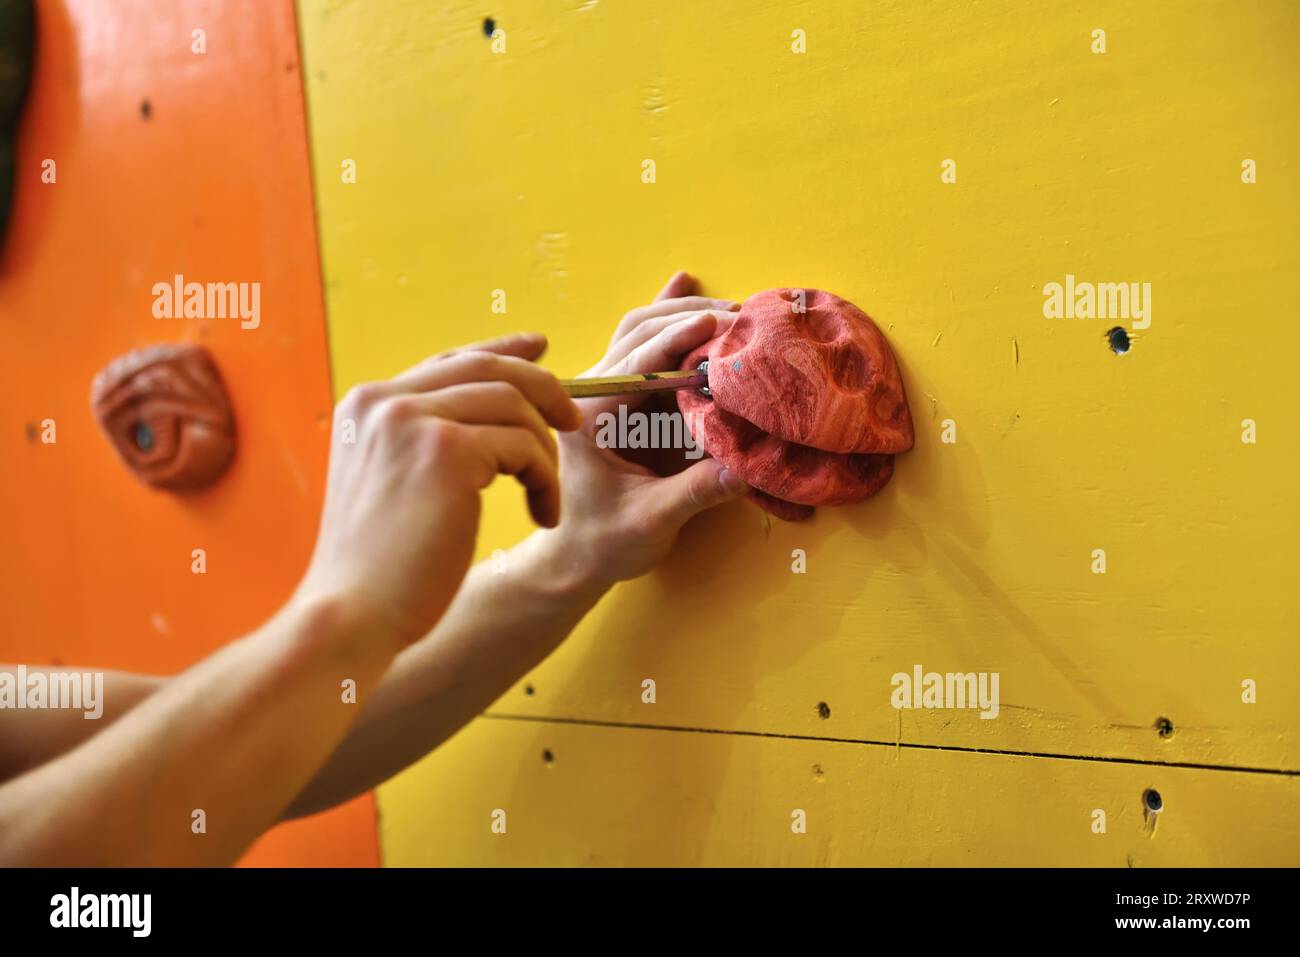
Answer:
(734, 307)
(732, 482)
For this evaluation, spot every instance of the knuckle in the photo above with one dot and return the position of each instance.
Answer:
(698, 493)
(476, 361)
(444, 440)
(361, 397)
(390, 413)
(504, 392)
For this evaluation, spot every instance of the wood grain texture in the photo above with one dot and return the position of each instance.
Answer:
(524, 171)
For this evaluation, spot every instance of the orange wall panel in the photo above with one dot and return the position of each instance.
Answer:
(167, 161)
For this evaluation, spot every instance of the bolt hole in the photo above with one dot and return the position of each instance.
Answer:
(548, 757)
(146, 109)
(1164, 727)
(530, 690)
(1152, 800)
(823, 710)
(489, 27)
(1119, 340)
(143, 436)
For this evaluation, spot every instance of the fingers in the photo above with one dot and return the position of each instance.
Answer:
(521, 345)
(513, 451)
(663, 351)
(648, 330)
(666, 307)
(484, 403)
(537, 385)
(702, 486)
(682, 283)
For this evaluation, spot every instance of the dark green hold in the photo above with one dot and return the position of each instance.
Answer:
(17, 37)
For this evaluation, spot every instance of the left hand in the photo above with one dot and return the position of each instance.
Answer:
(620, 519)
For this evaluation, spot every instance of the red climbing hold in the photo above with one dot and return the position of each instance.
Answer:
(807, 402)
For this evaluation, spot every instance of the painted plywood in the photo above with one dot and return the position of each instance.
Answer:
(166, 161)
(522, 170)
(575, 795)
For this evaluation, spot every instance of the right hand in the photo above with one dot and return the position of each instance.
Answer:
(408, 459)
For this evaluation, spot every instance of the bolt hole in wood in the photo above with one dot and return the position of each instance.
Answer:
(146, 109)
(823, 710)
(1151, 800)
(489, 27)
(1119, 340)
(548, 757)
(530, 690)
(1164, 727)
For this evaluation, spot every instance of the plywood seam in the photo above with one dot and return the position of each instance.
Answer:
(635, 726)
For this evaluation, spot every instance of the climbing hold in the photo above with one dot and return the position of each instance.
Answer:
(17, 25)
(166, 413)
(808, 407)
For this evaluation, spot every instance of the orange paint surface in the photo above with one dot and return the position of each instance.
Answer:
(213, 183)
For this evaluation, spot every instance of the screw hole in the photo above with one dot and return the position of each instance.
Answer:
(1152, 800)
(143, 436)
(1164, 727)
(1119, 340)
(548, 757)
(489, 27)
(146, 109)
(823, 710)
(530, 690)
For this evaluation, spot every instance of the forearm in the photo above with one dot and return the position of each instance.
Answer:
(236, 737)
(31, 736)
(500, 625)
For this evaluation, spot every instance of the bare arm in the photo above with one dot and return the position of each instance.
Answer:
(619, 521)
(200, 767)
(236, 738)
(31, 737)
(499, 626)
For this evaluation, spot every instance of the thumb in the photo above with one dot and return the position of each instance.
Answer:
(702, 486)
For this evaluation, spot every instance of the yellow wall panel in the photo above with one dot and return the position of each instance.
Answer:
(649, 797)
(521, 171)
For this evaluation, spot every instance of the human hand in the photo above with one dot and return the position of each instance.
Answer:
(621, 518)
(408, 459)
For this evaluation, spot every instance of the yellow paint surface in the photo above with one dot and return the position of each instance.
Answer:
(613, 796)
(522, 171)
